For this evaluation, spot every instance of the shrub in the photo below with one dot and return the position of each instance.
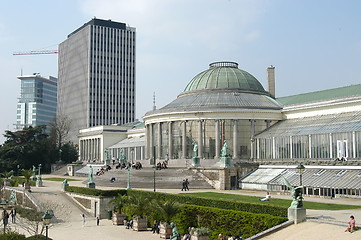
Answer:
(223, 204)
(96, 192)
(225, 221)
(12, 236)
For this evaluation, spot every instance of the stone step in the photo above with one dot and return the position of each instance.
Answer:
(170, 178)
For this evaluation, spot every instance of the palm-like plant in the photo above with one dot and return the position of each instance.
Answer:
(168, 209)
(27, 174)
(7, 175)
(119, 202)
(139, 205)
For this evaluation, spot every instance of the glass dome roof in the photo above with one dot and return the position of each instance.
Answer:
(224, 75)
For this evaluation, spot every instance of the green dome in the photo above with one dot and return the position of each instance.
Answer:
(224, 75)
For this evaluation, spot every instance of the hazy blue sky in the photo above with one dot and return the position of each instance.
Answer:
(314, 45)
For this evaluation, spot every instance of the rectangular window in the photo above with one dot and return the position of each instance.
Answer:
(342, 149)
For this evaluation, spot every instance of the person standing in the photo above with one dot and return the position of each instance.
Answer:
(98, 220)
(5, 218)
(13, 215)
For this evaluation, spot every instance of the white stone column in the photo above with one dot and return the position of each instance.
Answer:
(170, 140)
(217, 139)
(291, 148)
(235, 139)
(268, 123)
(200, 139)
(184, 140)
(159, 150)
(353, 144)
(151, 143)
(331, 152)
(309, 146)
(146, 142)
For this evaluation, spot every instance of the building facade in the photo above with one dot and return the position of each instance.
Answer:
(222, 105)
(38, 100)
(97, 75)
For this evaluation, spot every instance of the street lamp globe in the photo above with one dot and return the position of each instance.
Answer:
(300, 168)
(47, 218)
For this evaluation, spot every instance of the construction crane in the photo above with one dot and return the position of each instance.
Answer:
(36, 52)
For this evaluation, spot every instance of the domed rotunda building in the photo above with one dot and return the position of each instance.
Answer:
(222, 104)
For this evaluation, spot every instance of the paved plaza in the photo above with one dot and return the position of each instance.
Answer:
(329, 225)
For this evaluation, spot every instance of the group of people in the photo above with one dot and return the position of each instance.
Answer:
(6, 216)
(162, 165)
(230, 237)
(103, 170)
(138, 165)
(185, 185)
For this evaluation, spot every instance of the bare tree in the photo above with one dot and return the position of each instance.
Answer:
(59, 130)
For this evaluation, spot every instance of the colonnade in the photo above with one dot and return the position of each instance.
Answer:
(90, 150)
(154, 133)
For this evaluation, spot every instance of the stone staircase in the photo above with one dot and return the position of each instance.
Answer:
(170, 178)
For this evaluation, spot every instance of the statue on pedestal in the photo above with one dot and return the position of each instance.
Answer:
(195, 149)
(91, 183)
(195, 159)
(224, 149)
(296, 193)
(175, 234)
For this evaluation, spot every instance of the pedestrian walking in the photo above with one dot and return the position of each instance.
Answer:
(83, 219)
(13, 215)
(186, 185)
(98, 220)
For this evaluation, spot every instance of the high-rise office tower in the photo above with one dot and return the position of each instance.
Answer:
(37, 103)
(97, 75)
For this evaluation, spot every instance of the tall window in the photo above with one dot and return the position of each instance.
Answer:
(342, 148)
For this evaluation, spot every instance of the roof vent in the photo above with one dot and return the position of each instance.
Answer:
(223, 64)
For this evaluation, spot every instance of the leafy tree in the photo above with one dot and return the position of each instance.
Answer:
(26, 147)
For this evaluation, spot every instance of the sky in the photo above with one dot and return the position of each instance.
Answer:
(314, 45)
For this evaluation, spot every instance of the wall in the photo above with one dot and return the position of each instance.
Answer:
(96, 206)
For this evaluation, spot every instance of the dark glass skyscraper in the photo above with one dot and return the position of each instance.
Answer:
(97, 75)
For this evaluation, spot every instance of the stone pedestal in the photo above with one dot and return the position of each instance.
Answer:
(39, 182)
(63, 187)
(195, 162)
(140, 224)
(225, 162)
(298, 215)
(118, 218)
(91, 184)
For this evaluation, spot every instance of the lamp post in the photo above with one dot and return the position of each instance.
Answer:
(128, 183)
(300, 169)
(46, 220)
(154, 168)
(39, 181)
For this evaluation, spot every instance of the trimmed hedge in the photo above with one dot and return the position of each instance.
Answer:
(227, 222)
(223, 204)
(96, 192)
(12, 236)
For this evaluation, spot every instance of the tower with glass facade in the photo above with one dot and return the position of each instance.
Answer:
(97, 75)
(38, 100)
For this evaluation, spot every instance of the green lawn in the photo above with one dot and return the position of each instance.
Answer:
(273, 202)
(60, 179)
